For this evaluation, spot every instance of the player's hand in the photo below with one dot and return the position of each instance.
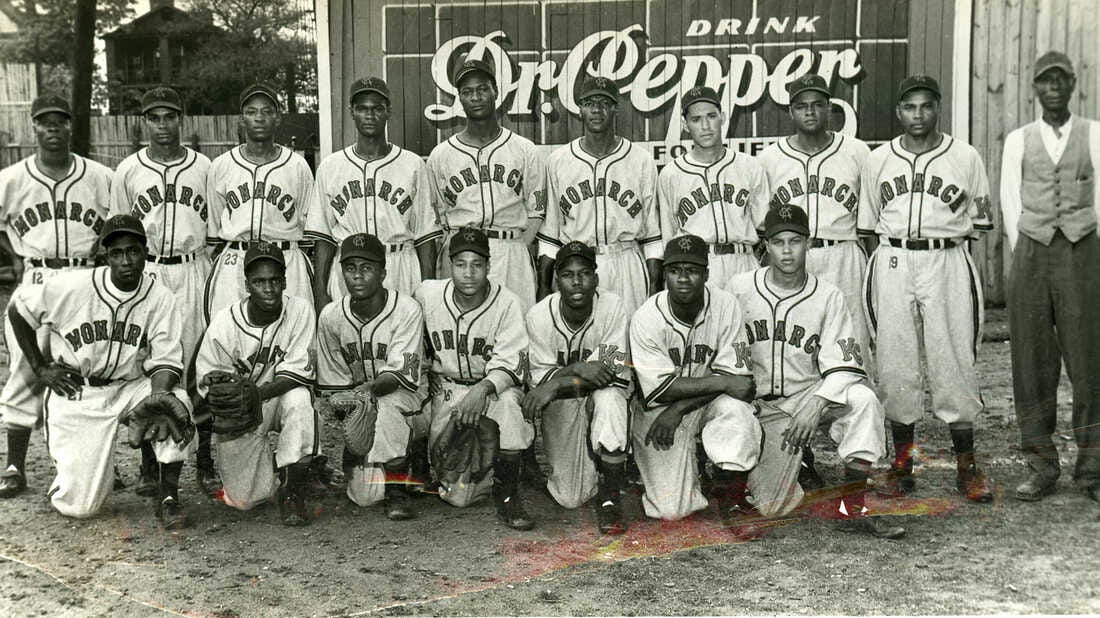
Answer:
(662, 433)
(536, 401)
(741, 387)
(472, 406)
(58, 378)
(800, 432)
(594, 372)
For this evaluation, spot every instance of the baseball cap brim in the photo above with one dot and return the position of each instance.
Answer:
(700, 260)
(155, 104)
(359, 91)
(265, 92)
(1068, 68)
(50, 110)
(786, 227)
(465, 72)
(824, 91)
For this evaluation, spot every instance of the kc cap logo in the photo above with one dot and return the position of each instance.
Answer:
(685, 244)
(785, 213)
(696, 91)
(359, 241)
(470, 236)
(577, 245)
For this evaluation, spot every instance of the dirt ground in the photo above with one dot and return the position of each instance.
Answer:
(958, 558)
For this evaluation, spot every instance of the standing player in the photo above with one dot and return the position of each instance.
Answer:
(373, 187)
(694, 371)
(810, 371)
(265, 338)
(489, 178)
(925, 194)
(479, 346)
(52, 206)
(257, 191)
(114, 339)
(1051, 207)
(164, 186)
(602, 191)
(370, 341)
(713, 192)
(579, 354)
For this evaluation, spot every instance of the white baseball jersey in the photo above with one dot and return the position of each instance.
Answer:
(47, 218)
(261, 353)
(722, 203)
(824, 184)
(487, 342)
(554, 345)
(798, 339)
(663, 348)
(389, 197)
(169, 198)
(942, 193)
(601, 200)
(104, 332)
(497, 186)
(250, 202)
(351, 352)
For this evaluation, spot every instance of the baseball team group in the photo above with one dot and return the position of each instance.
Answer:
(701, 322)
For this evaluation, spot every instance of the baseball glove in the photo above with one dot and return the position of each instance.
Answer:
(359, 412)
(234, 403)
(466, 454)
(156, 418)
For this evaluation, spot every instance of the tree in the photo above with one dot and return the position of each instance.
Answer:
(83, 71)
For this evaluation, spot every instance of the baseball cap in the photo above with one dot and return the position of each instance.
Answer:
(161, 96)
(786, 218)
(918, 82)
(593, 86)
(122, 224)
(1053, 60)
(264, 251)
(574, 248)
(690, 248)
(50, 103)
(806, 83)
(470, 66)
(369, 84)
(470, 239)
(366, 246)
(697, 94)
(263, 89)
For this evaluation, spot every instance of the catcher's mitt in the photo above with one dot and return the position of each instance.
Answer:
(466, 454)
(234, 403)
(359, 413)
(156, 418)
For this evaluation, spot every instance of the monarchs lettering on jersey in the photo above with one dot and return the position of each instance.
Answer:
(267, 355)
(245, 193)
(151, 198)
(102, 330)
(827, 187)
(700, 197)
(353, 352)
(609, 355)
(468, 177)
(445, 340)
(951, 195)
(699, 354)
(42, 213)
(399, 197)
(800, 338)
(573, 195)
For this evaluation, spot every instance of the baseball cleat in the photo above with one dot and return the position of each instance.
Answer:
(208, 481)
(898, 483)
(147, 483)
(12, 482)
(809, 479)
(171, 515)
(510, 511)
(292, 509)
(609, 517)
(874, 526)
(1035, 487)
(975, 485)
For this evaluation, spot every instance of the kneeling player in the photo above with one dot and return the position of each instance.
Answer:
(579, 381)
(264, 339)
(479, 347)
(369, 345)
(695, 376)
(809, 367)
(109, 328)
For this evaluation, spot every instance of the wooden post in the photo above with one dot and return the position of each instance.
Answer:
(83, 56)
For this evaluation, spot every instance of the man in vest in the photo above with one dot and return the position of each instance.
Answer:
(1050, 205)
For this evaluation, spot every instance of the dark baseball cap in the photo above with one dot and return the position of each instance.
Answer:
(262, 89)
(369, 84)
(470, 66)
(786, 218)
(596, 86)
(574, 248)
(161, 96)
(806, 83)
(366, 246)
(690, 249)
(697, 94)
(264, 251)
(918, 82)
(48, 103)
(122, 224)
(470, 239)
(1053, 60)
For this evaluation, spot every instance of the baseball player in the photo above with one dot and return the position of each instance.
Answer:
(713, 192)
(1051, 208)
(114, 339)
(925, 194)
(478, 343)
(578, 357)
(694, 371)
(164, 186)
(266, 339)
(602, 191)
(370, 341)
(808, 365)
(257, 191)
(52, 206)
(377, 188)
(492, 179)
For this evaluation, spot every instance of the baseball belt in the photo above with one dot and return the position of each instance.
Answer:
(173, 259)
(462, 381)
(922, 244)
(501, 234)
(58, 262)
(94, 381)
(245, 244)
(615, 248)
(728, 248)
(817, 243)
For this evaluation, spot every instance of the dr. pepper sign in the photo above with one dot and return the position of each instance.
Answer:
(654, 51)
